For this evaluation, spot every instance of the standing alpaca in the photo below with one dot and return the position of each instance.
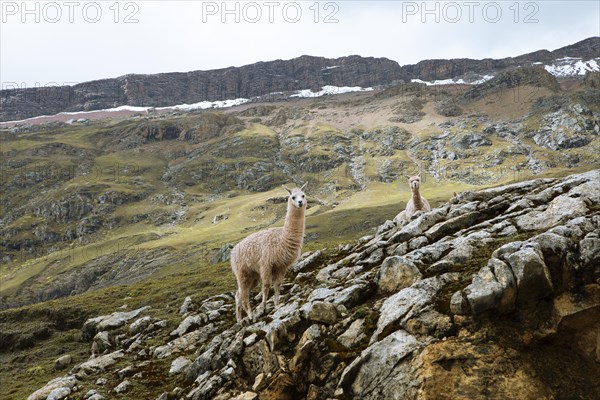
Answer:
(266, 255)
(417, 202)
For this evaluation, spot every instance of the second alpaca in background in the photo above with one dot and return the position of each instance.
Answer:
(416, 202)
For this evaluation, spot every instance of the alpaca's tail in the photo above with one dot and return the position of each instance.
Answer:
(233, 260)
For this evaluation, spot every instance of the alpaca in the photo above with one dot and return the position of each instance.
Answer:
(417, 202)
(265, 256)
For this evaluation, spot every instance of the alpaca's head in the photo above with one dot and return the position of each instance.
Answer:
(297, 196)
(414, 182)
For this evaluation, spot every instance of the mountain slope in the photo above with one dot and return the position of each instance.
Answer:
(95, 204)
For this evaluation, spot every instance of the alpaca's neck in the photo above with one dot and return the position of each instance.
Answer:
(293, 227)
(416, 198)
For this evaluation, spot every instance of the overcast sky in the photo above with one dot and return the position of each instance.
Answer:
(66, 42)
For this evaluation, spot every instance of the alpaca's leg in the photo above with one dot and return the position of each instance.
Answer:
(265, 295)
(245, 301)
(266, 279)
(276, 288)
(238, 307)
(245, 284)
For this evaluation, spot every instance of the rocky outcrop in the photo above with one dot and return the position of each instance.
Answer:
(430, 70)
(169, 89)
(492, 295)
(568, 128)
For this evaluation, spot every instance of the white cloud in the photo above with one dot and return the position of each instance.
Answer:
(177, 36)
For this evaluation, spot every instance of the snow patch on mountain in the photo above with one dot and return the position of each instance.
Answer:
(455, 81)
(329, 90)
(203, 105)
(572, 66)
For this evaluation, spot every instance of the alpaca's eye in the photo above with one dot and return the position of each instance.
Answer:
(293, 197)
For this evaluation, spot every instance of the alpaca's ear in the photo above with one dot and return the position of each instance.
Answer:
(303, 186)
(288, 190)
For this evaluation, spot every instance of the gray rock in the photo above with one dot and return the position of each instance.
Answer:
(460, 209)
(313, 333)
(470, 140)
(280, 331)
(122, 387)
(127, 371)
(214, 305)
(321, 311)
(246, 396)
(179, 365)
(322, 294)
(100, 363)
(101, 342)
(374, 258)
(531, 273)
(559, 210)
(97, 396)
(354, 335)
(419, 225)
(59, 393)
(459, 304)
(185, 343)
(400, 249)
(222, 255)
(140, 324)
(407, 303)
(493, 288)
(189, 323)
(302, 353)
(352, 295)
(345, 273)
(396, 273)
(64, 382)
(109, 322)
(378, 372)
(452, 225)
(258, 358)
(387, 225)
(62, 362)
(417, 242)
(324, 274)
(307, 262)
(186, 306)
(589, 248)
(208, 384)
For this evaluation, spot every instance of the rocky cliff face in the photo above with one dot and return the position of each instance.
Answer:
(168, 89)
(493, 295)
(258, 79)
(429, 70)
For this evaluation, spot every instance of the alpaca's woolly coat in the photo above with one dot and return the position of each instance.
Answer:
(265, 256)
(416, 202)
